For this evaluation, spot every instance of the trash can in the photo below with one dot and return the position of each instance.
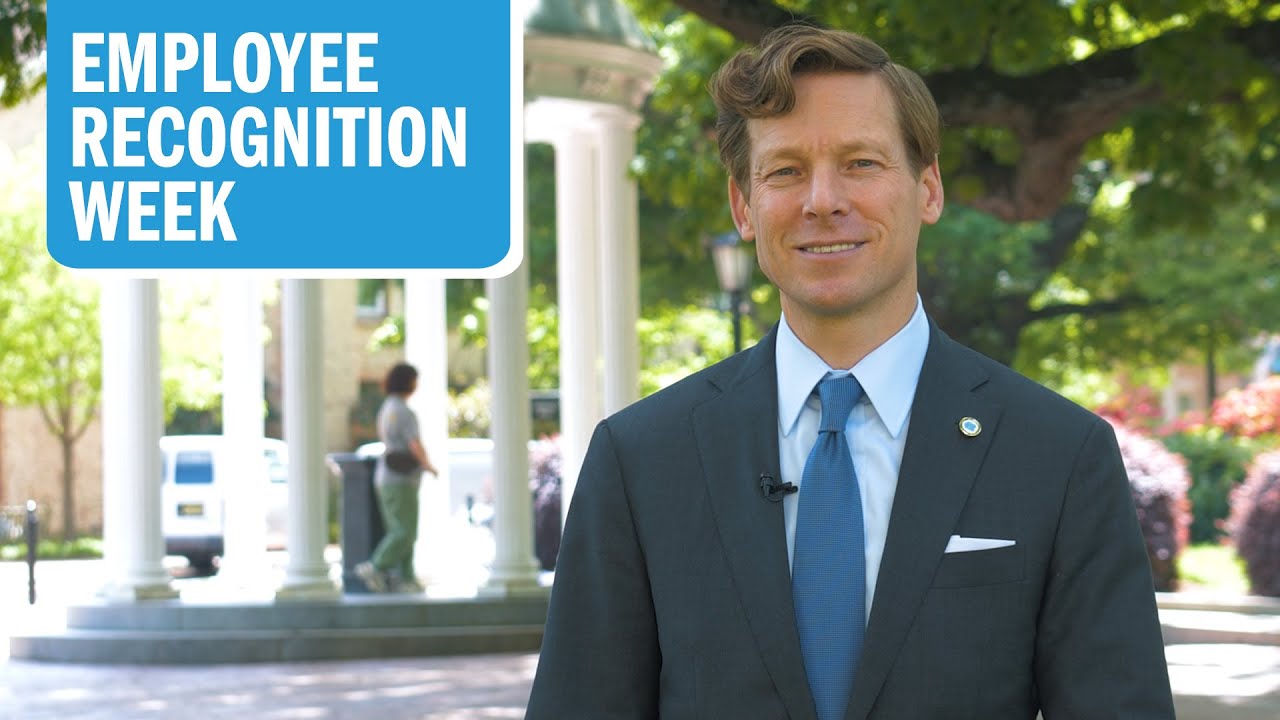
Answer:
(361, 520)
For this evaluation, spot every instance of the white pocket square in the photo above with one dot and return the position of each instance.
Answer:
(958, 544)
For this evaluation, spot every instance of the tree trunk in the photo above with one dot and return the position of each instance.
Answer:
(1211, 375)
(2, 488)
(67, 441)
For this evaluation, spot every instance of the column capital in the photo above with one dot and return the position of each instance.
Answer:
(613, 117)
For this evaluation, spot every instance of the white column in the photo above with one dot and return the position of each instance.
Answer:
(578, 299)
(307, 574)
(619, 258)
(132, 415)
(426, 347)
(245, 559)
(514, 570)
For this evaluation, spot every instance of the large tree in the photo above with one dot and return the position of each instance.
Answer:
(22, 36)
(52, 357)
(1052, 112)
(50, 345)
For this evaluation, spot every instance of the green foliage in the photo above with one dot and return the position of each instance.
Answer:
(190, 347)
(678, 165)
(23, 27)
(1217, 465)
(1172, 293)
(544, 341)
(1176, 253)
(469, 411)
(974, 269)
(49, 549)
(1212, 567)
(389, 333)
(52, 356)
(676, 341)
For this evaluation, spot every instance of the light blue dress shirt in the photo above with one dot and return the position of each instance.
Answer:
(876, 430)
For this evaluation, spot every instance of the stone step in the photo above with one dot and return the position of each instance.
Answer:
(1250, 604)
(350, 612)
(263, 630)
(189, 647)
(1223, 627)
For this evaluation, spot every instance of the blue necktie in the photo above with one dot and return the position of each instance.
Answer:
(828, 573)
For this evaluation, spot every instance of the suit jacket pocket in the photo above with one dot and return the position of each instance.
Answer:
(980, 567)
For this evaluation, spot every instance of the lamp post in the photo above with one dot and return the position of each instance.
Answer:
(734, 264)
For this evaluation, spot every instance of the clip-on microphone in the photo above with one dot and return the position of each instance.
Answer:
(773, 490)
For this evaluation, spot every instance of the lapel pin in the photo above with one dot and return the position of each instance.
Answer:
(970, 426)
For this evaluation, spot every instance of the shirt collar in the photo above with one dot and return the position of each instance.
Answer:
(888, 375)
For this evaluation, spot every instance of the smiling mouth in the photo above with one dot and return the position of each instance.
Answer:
(827, 249)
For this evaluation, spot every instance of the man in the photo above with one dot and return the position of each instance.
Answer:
(927, 536)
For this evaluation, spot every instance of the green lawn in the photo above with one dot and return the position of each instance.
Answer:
(86, 547)
(1212, 567)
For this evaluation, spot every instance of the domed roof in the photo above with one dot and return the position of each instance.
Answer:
(604, 21)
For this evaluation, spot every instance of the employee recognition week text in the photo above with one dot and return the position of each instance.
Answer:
(210, 137)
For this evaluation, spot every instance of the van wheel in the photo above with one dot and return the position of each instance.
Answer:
(202, 564)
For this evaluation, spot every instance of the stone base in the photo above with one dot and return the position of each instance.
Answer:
(139, 593)
(310, 592)
(513, 589)
(354, 626)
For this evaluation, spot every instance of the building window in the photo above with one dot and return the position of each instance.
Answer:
(371, 299)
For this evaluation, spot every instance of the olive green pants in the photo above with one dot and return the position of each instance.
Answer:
(399, 505)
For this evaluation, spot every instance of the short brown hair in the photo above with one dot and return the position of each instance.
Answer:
(400, 379)
(757, 83)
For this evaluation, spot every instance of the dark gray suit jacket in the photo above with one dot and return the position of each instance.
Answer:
(672, 596)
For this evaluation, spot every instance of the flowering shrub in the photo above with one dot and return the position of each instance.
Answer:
(1255, 524)
(544, 482)
(1137, 407)
(1250, 411)
(1158, 481)
(1191, 421)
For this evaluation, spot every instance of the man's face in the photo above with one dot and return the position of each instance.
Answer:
(834, 207)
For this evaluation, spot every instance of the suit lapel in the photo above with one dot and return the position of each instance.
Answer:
(737, 437)
(938, 469)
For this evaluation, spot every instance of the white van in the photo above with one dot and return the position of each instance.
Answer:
(194, 489)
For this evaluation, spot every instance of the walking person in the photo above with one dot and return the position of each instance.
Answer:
(396, 480)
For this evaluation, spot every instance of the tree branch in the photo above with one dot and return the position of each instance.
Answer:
(747, 20)
(89, 410)
(1053, 113)
(1105, 307)
(49, 422)
(1065, 227)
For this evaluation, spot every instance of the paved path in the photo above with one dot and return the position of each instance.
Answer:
(1211, 682)
(417, 689)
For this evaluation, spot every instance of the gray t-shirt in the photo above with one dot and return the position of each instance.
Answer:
(397, 425)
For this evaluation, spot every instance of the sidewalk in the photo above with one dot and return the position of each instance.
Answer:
(418, 689)
(1220, 680)
(1211, 682)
